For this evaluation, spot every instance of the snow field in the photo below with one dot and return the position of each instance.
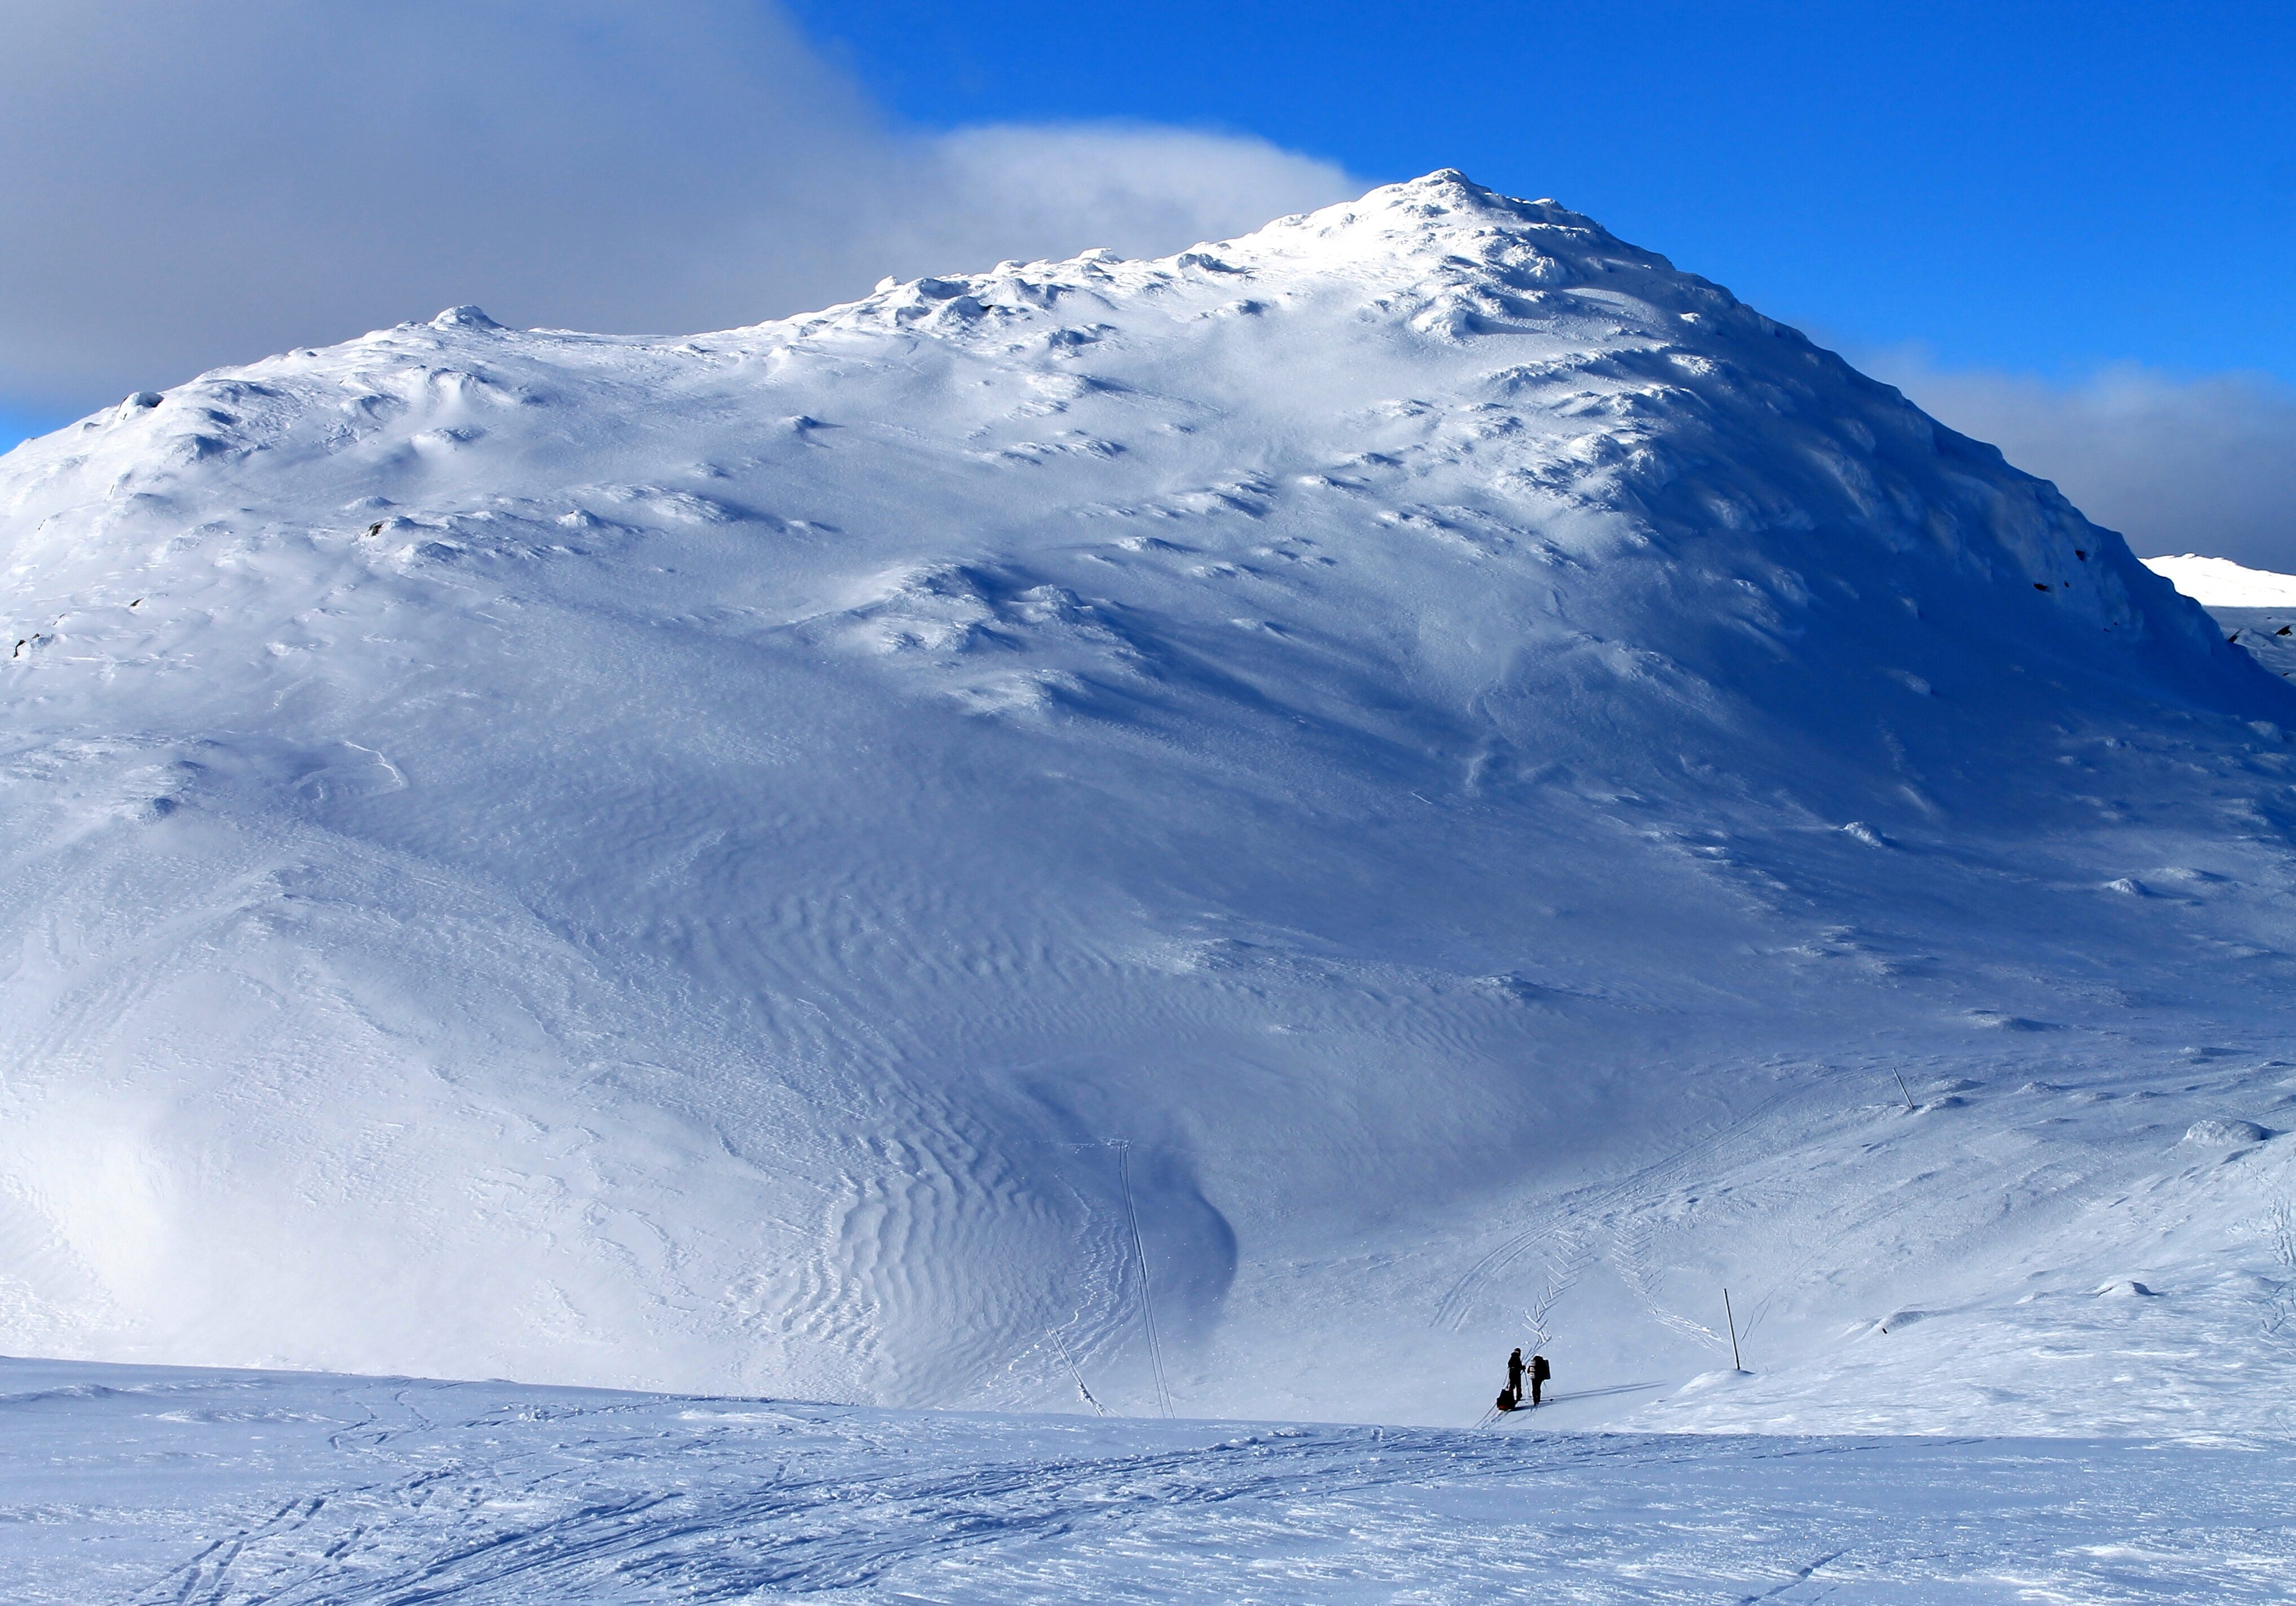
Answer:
(148, 1484)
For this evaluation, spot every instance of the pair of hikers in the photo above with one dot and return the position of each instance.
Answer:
(1511, 1395)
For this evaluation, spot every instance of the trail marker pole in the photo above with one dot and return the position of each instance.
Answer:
(1904, 1089)
(1731, 1317)
(1073, 1372)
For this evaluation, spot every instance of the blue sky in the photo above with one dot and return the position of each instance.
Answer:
(2042, 187)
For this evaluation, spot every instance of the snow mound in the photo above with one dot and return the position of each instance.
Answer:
(1706, 1381)
(2216, 1134)
(1116, 821)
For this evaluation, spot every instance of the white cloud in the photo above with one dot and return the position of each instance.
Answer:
(207, 181)
(2205, 466)
(1143, 188)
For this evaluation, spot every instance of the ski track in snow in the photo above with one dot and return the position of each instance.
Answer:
(165, 1488)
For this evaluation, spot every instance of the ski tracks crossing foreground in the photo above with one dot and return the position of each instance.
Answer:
(167, 1488)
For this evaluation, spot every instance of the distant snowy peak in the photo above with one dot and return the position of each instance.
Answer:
(1444, 253)
(2221, 583)
(1444, 224)
(1591, 383)
(1504, 377)
(1513, 416)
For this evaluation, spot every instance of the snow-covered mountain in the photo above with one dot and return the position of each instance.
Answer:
(1251, 830)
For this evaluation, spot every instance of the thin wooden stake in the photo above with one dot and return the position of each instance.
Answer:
(1073, 1372)
(1736, 1364)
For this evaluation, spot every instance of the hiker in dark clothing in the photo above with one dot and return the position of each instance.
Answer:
(1539, 1374)
(1514, 1374)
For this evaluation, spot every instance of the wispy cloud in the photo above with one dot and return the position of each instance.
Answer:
(208, 181)
(2176, 464)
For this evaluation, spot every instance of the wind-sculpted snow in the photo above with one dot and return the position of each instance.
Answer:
(154, 1485)
(1477, 760)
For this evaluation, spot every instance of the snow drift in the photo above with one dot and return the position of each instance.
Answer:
(1407, 783)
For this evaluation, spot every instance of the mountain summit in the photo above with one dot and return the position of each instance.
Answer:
(1415, 782)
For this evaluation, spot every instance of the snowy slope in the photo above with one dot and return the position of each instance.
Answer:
(136, 1484)
(1418, 777)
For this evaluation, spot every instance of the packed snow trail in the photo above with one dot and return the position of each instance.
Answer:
(149, 1486)
(1481, 758)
